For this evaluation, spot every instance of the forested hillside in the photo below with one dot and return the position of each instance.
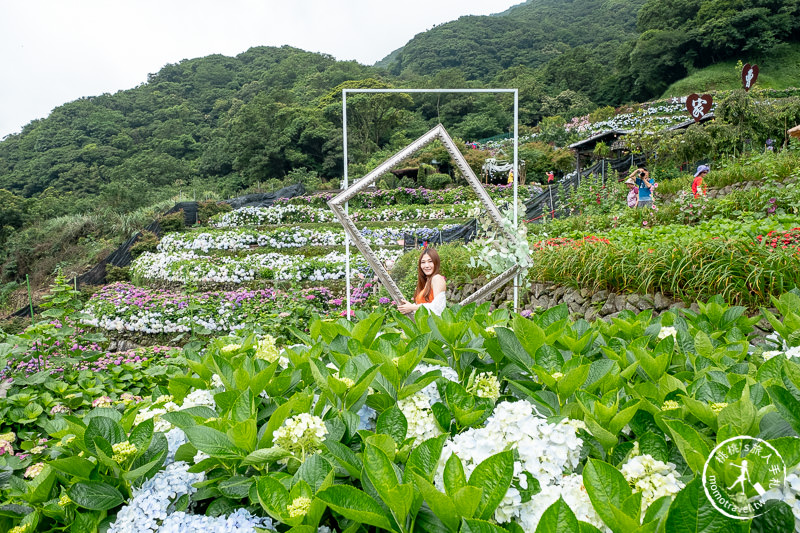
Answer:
(612, 51)
(227, 123)
(529, 34)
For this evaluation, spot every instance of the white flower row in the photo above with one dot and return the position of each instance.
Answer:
(189, 266)
(294, 213)
(276, 214)
(223, 319)
(243, 239)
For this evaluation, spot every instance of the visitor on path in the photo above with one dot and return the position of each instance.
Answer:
(698, 187)
(633, 193)
(645, 185)
(431, 285)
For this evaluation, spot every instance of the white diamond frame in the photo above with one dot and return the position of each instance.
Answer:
(339, 202)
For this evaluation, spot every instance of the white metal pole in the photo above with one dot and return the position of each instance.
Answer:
(346, 238)
(516, 180)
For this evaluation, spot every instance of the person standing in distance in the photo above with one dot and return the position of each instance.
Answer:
(698, 187)
(646, 186)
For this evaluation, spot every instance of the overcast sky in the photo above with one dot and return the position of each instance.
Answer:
(55, 51)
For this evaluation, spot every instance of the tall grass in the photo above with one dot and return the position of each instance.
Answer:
(778, 71)
(744, 273)
(70, 243)
(756, 166)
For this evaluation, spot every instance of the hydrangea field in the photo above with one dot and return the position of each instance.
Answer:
(477, 420)
(259, 406)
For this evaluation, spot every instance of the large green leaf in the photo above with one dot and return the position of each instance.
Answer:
(95, 495)
(346, 458)
(441, 504)
(142, 470)
(692, 512)
(690, 443)
(788, 407)
(493, 476)
(530, 335)
(101, 426)
(393, 422)
(265, 456)
(558, 518)
(74, 466)
(454, 477)
(356, 505)
(607, 489)
(244, 435)
(142, 435)
(211, 441)
(236, 487)
(274, 497)
(425, 457)
(314, 471)
(513, 349)
(383, 477)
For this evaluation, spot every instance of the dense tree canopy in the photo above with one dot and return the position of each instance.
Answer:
(230, 122)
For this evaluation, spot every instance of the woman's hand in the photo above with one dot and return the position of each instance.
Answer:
(407, 308)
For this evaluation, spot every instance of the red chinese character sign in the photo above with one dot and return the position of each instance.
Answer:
(749, 76)
(698, 105)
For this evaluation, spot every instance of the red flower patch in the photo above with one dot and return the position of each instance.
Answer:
(781, 239)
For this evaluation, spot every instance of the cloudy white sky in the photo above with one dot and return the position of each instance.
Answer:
(54, 51)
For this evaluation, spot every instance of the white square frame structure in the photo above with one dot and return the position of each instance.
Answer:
(340, 207)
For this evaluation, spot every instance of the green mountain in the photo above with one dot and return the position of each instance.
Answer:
(231, 122)
(530, 34)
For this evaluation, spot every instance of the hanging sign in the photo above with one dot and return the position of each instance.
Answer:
(698, 105)
(749, 76)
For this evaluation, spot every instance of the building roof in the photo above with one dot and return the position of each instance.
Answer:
(686, 124)
(589, 144)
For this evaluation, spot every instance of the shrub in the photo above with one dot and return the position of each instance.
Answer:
(437, 181)
(115, 273)
(173, 222)
(407, 183)
(209, 208)
(309, 178)
(147, 242)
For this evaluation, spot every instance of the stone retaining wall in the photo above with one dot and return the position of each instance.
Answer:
(719, 192)
(582, 303)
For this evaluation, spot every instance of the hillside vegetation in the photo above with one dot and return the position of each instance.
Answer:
(217, 126)
(778, 70)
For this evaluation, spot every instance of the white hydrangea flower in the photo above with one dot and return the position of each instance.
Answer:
(301, 434)
(651, 477)
(544, 450)
(421, 422)
(667, 331)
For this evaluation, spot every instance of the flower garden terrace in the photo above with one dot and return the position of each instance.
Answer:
(141, 312)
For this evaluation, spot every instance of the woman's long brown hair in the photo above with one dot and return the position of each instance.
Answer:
(424, 282)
